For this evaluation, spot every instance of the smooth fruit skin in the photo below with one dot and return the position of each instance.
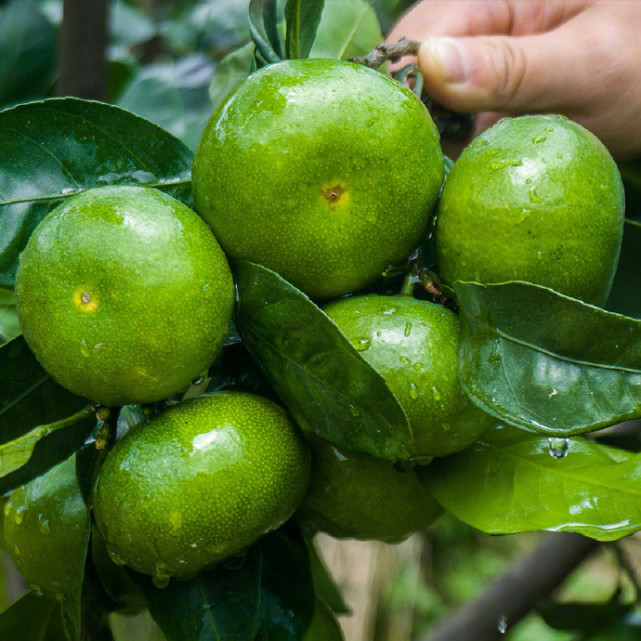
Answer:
(356, 496)
(124, 295)
(413, 345)
(200, 482)
(46, 525)
(324, 171)
(537, 199)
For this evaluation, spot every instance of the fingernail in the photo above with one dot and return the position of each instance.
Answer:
(450, 57)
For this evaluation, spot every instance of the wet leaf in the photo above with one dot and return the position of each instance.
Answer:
(322, 379)
(52, 149)
(511, 481)
(546, 362)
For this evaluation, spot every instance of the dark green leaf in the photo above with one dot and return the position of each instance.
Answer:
(174, 95)
(28, 619)
(28, 43)
(511, 481)
(325, 383)
(625, 297)
(263, 26)
(546, 362)
(58, 147)
(631, 174)
(346, 30)
(324, 584)
(287, 590)
(9, 325)
(218, 604)
(230, 72)
(302, 19)
(584, 617)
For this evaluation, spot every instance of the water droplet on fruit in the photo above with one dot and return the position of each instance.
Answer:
(84, 350)
(413, 391)
(446, 427)
(7, 508)
(418, 366)
(43, 524)
(550, 129)
(537, 139)
(18, 517)
(362, 344)
(558, 447)
(355, 411)
(115, 557)
(534, 197)
(198, 380)
(502, 624)
(436, 394)
(404, 360)
(16, 549)
(160, 581)
(501, 164)
(408, 328)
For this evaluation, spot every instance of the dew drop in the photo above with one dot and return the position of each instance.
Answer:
(549, 129)
(418, 366)
(408, 328)
(16, 549)
(354, 411)
(502, 624)
(538, 139)
(558, 447)
(198, 380)
(7, 508)
(18, 517)
(160, 581)
(68, 190)
(446, 427)
(534, 197)
(501, 164)
(404, 360)
(43, 524)
(495, 354)
(413, 391)
(362, 344)
(84, 350)
(436, 394)
(115, 557)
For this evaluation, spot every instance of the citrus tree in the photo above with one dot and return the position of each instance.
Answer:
(367, 380)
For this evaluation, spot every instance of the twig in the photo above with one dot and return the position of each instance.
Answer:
(393, 52)
(518, 592)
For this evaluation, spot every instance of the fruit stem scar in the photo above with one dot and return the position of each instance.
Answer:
(336, 194)
(85, 300)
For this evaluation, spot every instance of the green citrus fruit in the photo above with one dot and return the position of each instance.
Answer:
(356, 496)
(537, 199)
(413, 345)
(199, 483)
(324, 626)
(124, 295)
(324, 171)
(46, 527)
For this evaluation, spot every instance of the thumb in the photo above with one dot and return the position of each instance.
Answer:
(499, 73)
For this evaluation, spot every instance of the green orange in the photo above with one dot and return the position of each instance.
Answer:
(124, 295)
(413, 345)
(46, 528)
(356, 496)
(199, 483)
(536, 199)
(322, 170)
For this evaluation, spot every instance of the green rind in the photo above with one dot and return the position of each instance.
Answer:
(289, 134)
(537, 199)
(161, 295)
(200, 483)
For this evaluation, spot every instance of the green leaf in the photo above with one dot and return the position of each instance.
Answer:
(263, 26)
(287, 590)
(322, 379)
(346, 30)
(29, 618)
(625, 297)
(52, 149)
(9, 324)
(302, 18)
(324, 585)
(217, 604)
(230, 72)
(585, 617)
(546, 362)
(28, 42)
(511, 481)
(631, 175)
(174, 95)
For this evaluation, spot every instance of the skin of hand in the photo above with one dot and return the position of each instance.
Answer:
(579, 58)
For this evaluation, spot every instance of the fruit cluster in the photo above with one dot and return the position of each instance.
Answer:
(325, 172)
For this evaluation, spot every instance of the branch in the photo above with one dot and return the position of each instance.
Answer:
(393, 52)
(83, 67)
(517, 592)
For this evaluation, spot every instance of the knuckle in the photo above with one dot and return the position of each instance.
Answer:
(510, 69)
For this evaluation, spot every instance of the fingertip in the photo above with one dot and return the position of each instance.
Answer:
(444, 61)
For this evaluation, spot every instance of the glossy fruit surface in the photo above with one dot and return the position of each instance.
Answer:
(537, 199)
(356, 496)
(199, 483)
(324, 171)
(45, 527)
(124, 295)
(413, 345)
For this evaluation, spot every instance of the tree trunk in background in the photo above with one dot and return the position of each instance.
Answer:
(83, 39)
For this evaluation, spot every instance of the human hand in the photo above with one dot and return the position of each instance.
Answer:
(497, 57)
